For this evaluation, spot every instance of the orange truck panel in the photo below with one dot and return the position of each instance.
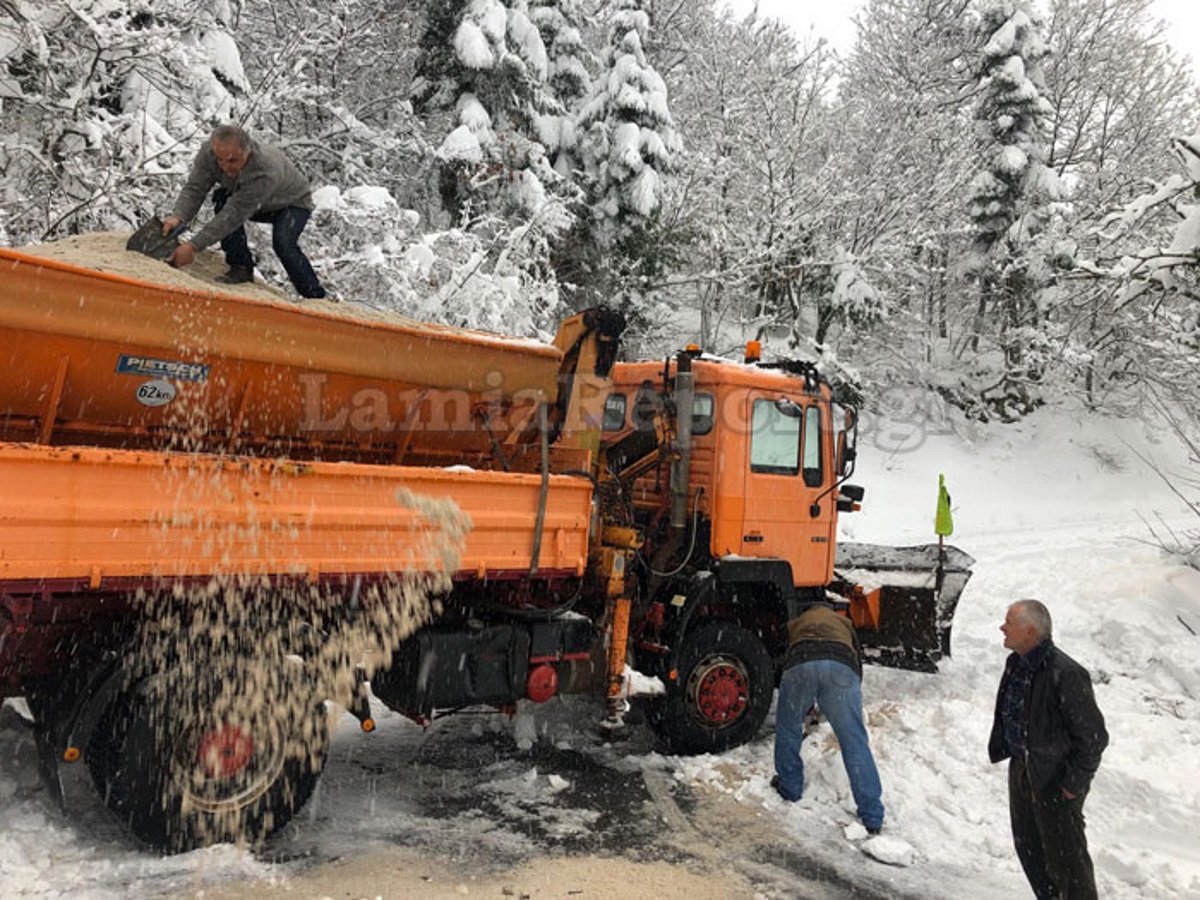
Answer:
(92, 357)
(94, 514)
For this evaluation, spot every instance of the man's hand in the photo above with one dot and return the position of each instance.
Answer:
(170, 223)
(184, 255)
(1068, 794)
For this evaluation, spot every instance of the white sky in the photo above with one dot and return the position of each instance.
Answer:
(831, 19)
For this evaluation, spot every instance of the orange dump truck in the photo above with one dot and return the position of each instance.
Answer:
(199, 488)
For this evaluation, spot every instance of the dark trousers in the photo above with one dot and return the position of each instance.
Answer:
(1048, 833)
(286, 225)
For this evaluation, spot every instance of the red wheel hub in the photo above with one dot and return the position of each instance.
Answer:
(542, 683)
(722, 693)
(225, 751)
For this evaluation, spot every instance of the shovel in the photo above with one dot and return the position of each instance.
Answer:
(150, 240)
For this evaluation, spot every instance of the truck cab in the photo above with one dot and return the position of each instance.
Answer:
(738, 505)
(764, 460)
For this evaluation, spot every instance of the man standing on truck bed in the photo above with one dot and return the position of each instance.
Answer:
(823, 668)
(254, 181)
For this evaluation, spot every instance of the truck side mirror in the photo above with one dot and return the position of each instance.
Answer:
(789, 408)
(847, 439)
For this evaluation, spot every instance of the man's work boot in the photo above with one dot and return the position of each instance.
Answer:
(236, 275)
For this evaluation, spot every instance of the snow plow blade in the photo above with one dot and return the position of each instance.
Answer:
(902, 600)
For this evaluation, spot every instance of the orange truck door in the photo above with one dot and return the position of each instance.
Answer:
(785, 471)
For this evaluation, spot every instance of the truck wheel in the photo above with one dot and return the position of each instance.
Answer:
(726, 679)
(185, 781)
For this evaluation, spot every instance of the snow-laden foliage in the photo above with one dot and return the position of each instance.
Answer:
(630, 137)
(1011, 204)
(380, 255)
(97, 96)
(903, 163)
(1149, 301)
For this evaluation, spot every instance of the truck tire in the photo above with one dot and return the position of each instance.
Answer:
(726, 681)
(185, 781)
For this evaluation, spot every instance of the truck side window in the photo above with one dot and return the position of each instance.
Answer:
(813, 471)
(614, 412)
(702, 413)
(774, 440)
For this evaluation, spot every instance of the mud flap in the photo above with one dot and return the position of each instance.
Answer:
(903, 600)
(65, 712)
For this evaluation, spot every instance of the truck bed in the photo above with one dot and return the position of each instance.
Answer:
(97, 519)
(161, 438)
(98, 358)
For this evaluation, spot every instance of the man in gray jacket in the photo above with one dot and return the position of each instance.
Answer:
(256, 182)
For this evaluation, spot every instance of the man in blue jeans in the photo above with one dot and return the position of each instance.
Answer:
(254, 182)
(823, 668)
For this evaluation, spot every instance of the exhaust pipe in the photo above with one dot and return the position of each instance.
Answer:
(681, 468)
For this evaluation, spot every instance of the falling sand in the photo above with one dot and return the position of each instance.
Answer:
(223, 723)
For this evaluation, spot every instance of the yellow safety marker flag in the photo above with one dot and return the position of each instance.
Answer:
(943, 523)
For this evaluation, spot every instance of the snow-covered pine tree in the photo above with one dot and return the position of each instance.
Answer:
(1011, 202)
(629, 137)
(568, 78)
(483, 66)
(485, 62)
(627, 141)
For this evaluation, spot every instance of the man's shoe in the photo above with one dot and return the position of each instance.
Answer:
(236, 275)
(775, 784)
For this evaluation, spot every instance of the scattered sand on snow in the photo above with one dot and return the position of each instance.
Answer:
(402, 873)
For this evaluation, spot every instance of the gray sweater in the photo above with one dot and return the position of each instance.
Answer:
(269, 182)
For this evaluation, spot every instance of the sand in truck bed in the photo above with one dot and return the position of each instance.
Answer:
(105, 251)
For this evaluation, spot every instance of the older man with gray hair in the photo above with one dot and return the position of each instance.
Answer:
(1048, 726)
(253, 181)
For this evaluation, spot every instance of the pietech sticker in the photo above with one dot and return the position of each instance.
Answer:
(176, 370)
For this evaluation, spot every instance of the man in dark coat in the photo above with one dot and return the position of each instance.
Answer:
(1048, 726)
(823, 668)
(254, 181)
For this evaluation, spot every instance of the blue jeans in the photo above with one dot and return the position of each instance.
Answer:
(836, 689)
(287, 223)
